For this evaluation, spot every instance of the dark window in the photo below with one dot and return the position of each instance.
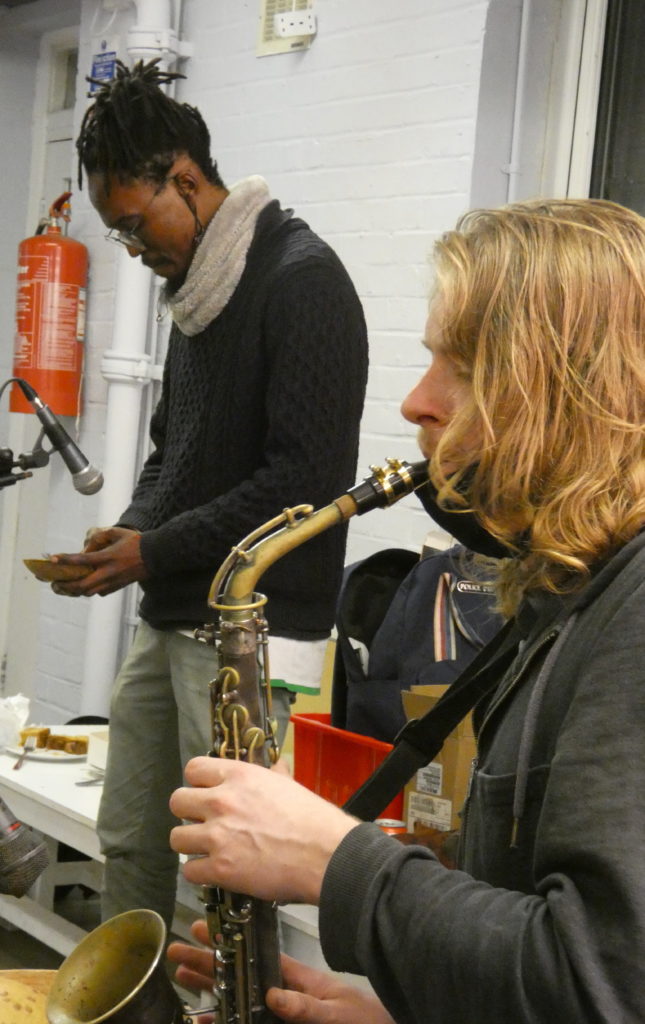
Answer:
(618, 171)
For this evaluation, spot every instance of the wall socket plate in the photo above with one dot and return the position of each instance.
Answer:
(294, 23)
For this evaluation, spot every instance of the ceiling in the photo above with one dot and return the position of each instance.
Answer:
(15, 3)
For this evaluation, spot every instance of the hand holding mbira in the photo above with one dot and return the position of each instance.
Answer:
(255, 831)
(111, 558)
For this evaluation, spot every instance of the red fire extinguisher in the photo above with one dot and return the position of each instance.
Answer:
(50, 316)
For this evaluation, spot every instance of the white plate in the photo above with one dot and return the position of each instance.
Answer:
(46, 755)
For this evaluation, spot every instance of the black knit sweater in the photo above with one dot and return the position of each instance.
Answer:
(258, 412)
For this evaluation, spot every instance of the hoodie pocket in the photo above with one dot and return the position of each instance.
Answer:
(493, 847)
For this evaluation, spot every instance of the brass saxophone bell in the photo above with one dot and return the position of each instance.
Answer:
(116, 975)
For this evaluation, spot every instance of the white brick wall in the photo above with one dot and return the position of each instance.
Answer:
(369, 135)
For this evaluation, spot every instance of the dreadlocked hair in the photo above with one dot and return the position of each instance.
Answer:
(134, 130)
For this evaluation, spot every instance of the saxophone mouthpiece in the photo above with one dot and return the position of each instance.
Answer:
(388, 485)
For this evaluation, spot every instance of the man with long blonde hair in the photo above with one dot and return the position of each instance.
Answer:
(532, 414)
(542, 310)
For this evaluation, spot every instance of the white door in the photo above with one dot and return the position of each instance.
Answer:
(25, 505)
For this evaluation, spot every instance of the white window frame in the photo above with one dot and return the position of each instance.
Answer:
(574, 106)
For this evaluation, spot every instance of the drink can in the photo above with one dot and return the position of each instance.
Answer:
(391, 826)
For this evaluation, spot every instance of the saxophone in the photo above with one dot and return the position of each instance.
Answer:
(242, 929)
(116, 974)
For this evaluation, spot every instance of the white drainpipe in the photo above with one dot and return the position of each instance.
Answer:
(126, 367)
(514, 168)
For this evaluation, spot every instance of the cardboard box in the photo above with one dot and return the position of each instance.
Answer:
(435, 795)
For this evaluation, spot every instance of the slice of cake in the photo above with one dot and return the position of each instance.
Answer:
(41, 732)
(69, 744)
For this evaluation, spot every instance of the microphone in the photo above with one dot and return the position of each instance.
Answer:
(85, 477)
(23, 857)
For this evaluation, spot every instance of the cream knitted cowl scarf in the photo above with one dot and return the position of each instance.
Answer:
(219, 261)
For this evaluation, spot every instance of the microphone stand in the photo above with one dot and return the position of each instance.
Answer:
(34, 459)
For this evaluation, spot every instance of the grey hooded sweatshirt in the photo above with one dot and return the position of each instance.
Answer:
(544, 922)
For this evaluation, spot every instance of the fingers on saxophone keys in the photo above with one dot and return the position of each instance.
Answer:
(189, 839)
(209, 771)
(194, 803)
(201, 871)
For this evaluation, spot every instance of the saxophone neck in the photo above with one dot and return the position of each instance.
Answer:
(234, 584)
(233, 588)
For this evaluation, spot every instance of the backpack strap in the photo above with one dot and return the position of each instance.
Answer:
(421, 739)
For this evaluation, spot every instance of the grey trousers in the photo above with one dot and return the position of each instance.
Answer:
(159, 720)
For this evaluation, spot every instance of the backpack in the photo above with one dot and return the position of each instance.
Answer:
(401, 622)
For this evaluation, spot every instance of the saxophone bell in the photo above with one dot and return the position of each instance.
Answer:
(116, 975)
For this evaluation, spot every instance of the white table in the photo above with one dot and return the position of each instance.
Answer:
(45, 795)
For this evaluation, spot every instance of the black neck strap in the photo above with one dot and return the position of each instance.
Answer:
(421, 739)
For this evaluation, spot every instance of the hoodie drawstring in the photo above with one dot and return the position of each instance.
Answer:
(530, 724)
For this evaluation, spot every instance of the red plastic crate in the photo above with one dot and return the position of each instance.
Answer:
(334, 763)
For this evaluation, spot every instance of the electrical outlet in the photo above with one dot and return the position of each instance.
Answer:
(294, 23)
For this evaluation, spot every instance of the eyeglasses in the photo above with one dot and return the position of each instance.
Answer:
(131, 238)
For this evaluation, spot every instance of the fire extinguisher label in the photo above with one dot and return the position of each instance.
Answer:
(80, 317)
(47, 320)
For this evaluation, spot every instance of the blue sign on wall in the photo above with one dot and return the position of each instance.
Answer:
(103, 68)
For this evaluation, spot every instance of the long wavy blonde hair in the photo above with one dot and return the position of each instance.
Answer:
(541, 305)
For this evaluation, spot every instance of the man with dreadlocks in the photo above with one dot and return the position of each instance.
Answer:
(262, 395)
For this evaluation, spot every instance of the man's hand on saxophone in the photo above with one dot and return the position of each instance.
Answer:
(310, 996)
(255, 831)
(260, 832)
